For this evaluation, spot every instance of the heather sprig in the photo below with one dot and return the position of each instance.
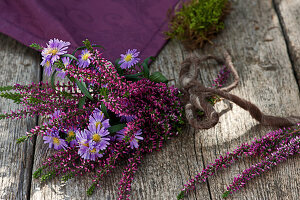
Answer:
(263, 147)
(281, 154)
(222, 77)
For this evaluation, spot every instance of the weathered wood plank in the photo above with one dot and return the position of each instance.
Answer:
(18, 64)
(259, 53)
(289, 12)
(254, 38)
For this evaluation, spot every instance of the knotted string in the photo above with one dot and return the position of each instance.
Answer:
(195, 96)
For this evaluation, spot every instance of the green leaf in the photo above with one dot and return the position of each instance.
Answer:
(84, 47)
(83, 83)
(116, 128)
(83, 89)
(48, 176)
(104, 110)
(118, 68)
(38, 172)
(91, 189)
(117, 62)
(79, 48)
(16, 97)
(53, 79)
(133, 77)
(2, 116)
(70, 138)
(6, 88)
(72, 79)
(145, 70)
(225, 194)
(158, 77)
(180, 195)
(103, 92)
(36, 46)
(81, 102)
(66, 177)
(66, 94)
(87, 44)
(97, 45)
(70, 56)
(145, 65)
(22, 139)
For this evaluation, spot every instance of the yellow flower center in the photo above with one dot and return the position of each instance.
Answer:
(94, 150)
(128, 57)
(85, 56)
(71, 134)
(98, 123)
(54, 51)
(47, 63)
(56, 140)
(86, 144)
(96, 137)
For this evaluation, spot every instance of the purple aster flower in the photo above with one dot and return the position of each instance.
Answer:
(46, 63)
(84, 58)
(55, 141)
(133, 143)
(72, 134)
(128, 118)
(90, 152)
(104, 85)
(99, 135)
(97, 119)
(83, 138)
(113, 138)
(55, 115)
(61, 72)
(97, 110)
(129, 59)
(54, 49)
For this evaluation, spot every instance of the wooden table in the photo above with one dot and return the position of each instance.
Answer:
(263, 38)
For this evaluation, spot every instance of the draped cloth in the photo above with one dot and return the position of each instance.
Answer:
(117, 25)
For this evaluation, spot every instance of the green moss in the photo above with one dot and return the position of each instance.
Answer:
(198, 21)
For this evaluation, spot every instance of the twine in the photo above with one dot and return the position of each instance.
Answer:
(195, 96)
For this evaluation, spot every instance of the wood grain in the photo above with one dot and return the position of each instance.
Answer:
(255, 40)
(18, 64)
(289, 14)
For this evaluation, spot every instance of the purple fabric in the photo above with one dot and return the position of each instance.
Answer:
(117, 25)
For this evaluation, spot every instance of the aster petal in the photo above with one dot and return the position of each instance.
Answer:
(134, 144)
(139, 138)
(61, 74)
(124, 65)
(105, 123)
(103, 132)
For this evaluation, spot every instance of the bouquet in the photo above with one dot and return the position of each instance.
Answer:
(107, 113)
